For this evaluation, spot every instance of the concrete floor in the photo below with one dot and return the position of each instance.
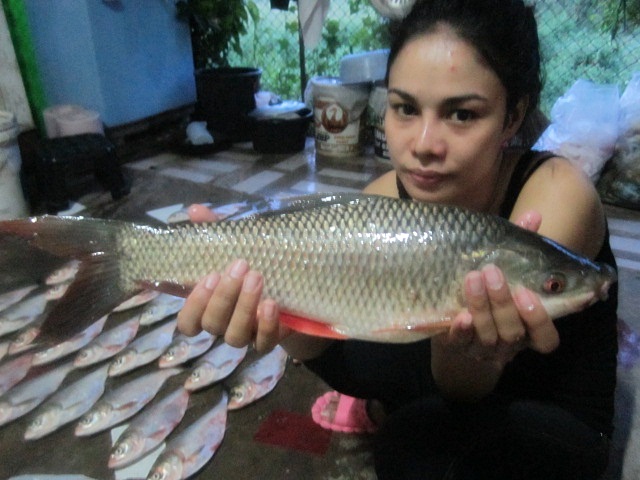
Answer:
(163, 184)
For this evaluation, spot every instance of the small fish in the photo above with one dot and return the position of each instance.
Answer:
(4, 348)
(25, 340)
(149, 429)
(14, 296)
(57, 291)
(160, 308)
(27, 395)
(143, 350)
(139, 299)
(108, 344)
(257, 379)
(214, 366)
(13, 371)
(45, 476)
(186, 453)
(123, 402)
(63, 274)
(184, 348)
(68, 404)
(21, 314)
(72, 345)
(340, 266)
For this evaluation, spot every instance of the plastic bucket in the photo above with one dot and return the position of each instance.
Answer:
(377, 109)
(12, 202)
(225, 98)
(339, 117)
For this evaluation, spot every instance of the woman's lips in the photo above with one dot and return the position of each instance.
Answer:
(426, 179)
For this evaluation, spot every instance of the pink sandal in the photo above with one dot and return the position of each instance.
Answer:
(350, 416)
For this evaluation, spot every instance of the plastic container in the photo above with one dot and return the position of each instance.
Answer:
(339, 117)
(281, 128)
(12, 201)
(377, 109)
(364, 67)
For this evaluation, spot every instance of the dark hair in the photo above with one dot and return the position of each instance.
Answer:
(503, 31)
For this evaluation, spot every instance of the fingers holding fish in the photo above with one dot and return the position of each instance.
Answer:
(190, 316)
(231, 310)
(541, 331)
(506, 320)
(270, 331)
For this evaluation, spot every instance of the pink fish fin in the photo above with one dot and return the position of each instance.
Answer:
(308, 326)
(170, 288)
(96, 289)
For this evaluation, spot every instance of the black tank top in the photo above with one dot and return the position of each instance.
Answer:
(580, 376)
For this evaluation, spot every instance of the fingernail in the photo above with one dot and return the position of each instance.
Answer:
(474, 282)
(268, 310)
(526, 221)
(493, 276)
(238, 269)
(251, 281)
(524, 299)
(211, 281)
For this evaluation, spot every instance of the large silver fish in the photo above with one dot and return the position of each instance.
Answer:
(350, 265)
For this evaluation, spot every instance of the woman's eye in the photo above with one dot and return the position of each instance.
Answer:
(463, 116)
(403, 109)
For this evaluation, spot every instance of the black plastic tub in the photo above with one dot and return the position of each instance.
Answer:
(282, 135)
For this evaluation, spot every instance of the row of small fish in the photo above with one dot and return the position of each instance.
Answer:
(96, 406)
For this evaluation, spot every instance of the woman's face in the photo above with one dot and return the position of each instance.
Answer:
(445, 121)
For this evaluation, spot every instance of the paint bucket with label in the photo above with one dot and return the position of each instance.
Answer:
(377, 109)
(339, 117)
(12, 202)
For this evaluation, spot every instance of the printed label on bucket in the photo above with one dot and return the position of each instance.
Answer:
(337, 133)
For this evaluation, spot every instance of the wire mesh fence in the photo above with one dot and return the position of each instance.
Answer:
(598, 40)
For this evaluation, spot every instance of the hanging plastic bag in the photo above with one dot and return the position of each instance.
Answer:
(584, 126)
(620, 183)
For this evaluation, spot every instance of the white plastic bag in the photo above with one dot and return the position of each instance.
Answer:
(584, 126)
(620, 182)
(627, 157)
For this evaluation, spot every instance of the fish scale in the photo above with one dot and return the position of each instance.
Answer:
(358, 266)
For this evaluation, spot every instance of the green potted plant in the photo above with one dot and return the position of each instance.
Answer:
(225, 93)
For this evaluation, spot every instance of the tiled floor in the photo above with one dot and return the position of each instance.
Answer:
(163, 185)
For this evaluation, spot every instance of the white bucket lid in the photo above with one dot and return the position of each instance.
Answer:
(364, 67)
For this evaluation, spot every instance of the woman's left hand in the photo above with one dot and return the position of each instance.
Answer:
(497, 323)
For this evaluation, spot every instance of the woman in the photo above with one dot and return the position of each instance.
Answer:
(506, 392)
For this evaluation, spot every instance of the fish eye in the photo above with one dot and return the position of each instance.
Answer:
(554, 283)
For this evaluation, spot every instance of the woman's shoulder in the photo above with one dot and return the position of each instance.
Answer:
(568, 201)
(384, 185)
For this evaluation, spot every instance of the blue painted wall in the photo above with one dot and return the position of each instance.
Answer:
(127, 59)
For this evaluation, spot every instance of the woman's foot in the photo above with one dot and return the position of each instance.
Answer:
(342, 413)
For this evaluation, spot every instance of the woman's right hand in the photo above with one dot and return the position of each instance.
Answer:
(229, 304)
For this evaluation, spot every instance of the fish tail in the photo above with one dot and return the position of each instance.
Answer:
(96, 289)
